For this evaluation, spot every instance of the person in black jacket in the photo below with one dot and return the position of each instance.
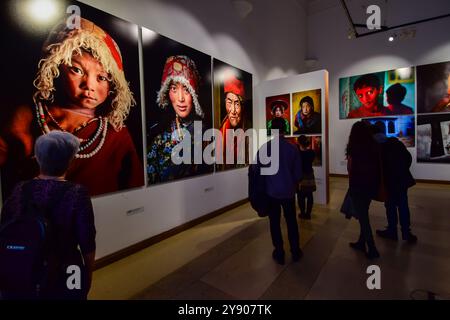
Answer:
(280, 187)
(308, 184)
(397, 178)
(363, 168)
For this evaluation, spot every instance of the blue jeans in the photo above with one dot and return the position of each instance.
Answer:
(398, 201)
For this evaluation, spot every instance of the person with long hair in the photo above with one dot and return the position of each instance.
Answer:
(363, 168)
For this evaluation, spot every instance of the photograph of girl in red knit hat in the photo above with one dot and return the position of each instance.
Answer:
(178, 98)
(278, 107)
(78, 74)
(233, 105)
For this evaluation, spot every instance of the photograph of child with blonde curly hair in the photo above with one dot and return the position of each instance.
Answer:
(79, 86)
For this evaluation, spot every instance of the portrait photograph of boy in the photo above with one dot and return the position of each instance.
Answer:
(377, 94)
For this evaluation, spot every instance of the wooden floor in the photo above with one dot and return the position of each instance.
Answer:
(229, 257)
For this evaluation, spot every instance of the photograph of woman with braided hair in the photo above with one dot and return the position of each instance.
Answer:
(79, 87)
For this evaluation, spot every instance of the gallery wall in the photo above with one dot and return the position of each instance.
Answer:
(328, 28)
(305, 85)
(125, 218)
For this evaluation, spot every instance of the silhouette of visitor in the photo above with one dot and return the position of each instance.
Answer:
(395, 95)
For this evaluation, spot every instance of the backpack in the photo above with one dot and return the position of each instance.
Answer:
(257, 195)
(26, 247)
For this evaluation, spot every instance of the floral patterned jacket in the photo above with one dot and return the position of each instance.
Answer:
(160, 167)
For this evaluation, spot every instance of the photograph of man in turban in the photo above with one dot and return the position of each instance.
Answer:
(233, 102)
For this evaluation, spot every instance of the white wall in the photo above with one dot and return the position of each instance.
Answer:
(269, 43)
(327, 41)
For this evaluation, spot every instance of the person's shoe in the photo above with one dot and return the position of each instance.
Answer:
(409, 237)
(297, 255)
(278, 257)
(372, 253)
(358, 245)
(304, 216)
(388, 234)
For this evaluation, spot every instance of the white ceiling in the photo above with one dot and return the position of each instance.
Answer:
(397, 12)
(394, 12)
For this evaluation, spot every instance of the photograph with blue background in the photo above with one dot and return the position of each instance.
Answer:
(400, 127)
(399, 91)
(385, 93)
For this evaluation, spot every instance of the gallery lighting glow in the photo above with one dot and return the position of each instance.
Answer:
(223, 73)
(42, 10)
(404, 73)
(148, 36)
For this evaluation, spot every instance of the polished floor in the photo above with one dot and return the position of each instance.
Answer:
(229, 257)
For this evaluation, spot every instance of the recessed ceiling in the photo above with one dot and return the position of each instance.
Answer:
(396, 13)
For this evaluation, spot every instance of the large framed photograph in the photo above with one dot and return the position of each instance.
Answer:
(75, 69)
(278, 107)
(433, 88)
(400, 127)
(233, 104)
(433, 138)
(377, 94)
(178, 99)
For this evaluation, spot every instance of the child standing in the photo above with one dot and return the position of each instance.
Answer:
(308, 185)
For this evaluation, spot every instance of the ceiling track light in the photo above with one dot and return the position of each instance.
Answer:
(354, 25)
(404, 34)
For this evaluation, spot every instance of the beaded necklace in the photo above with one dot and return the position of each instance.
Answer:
(85, 143)
(82, 126)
